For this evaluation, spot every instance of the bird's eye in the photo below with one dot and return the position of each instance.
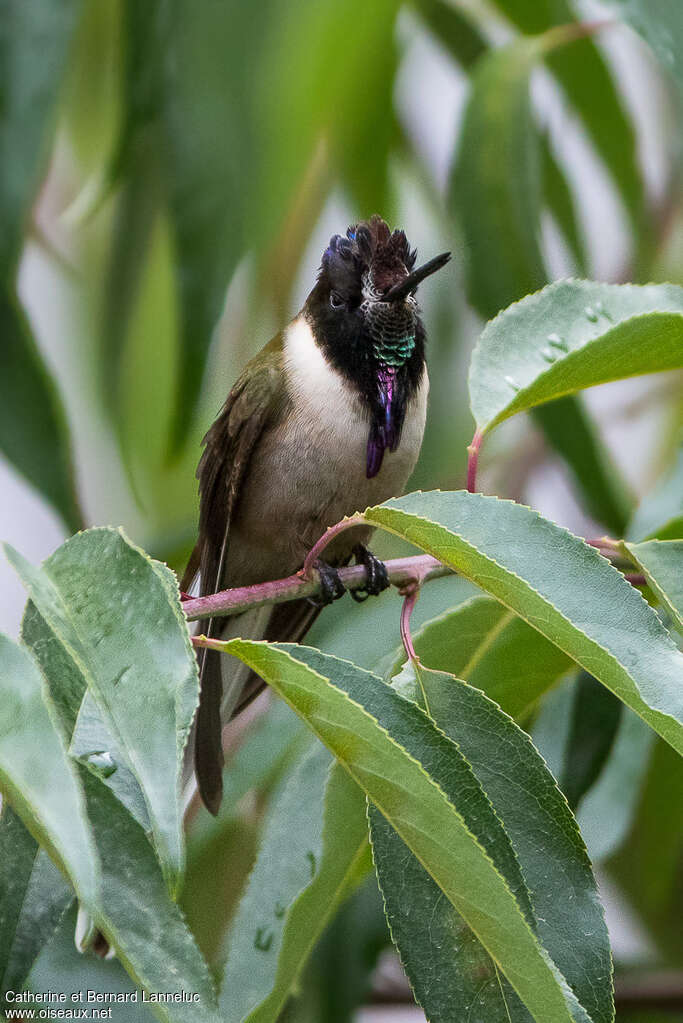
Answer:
(336, 301)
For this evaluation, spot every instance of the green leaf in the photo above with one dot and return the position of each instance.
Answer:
(660, 22)
(454, 29)
(662, 563)
(128, 638)
(660, 513)
(648, 868)
(34, 434)
(319, 818)
(33, 898)
(596, 714)
(61, 967)
(571, 432)
(93, 744)
(559, 585)
(607, 811)
(569, 336)
(35, 36)
(551, 854)
(496, 185)
(136, 914)
(590, 88)
(459, 35)
(560, 200)
(488, 646)
(36, 774)
(412, 773)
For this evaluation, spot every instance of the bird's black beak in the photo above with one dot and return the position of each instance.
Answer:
(410, 282)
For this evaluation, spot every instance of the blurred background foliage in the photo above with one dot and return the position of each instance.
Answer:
(171, 172)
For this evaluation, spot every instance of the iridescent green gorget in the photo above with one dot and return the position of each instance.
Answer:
(394, 352)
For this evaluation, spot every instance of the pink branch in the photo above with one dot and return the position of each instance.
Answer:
(406, 614)
(319, 546)
(473, 460)
(401, 571)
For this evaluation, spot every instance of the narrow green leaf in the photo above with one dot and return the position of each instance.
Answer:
(33, 898)
(496, 185)
(659, 516)
(488, 646)
(573, 335)
(34, 434)
(560, 200)
(571, 432)
(128, 639)
(662, 563)
(36, 774)
(412, 773)
(589, 86)
(35, 36)
(660, 22)
(551, 855)
(648, 867)
(559, 585)
(607, 811)
(456, 31)
(93, 744)
(137, 916)
(61, 967)
(596, 714)
(319, 818)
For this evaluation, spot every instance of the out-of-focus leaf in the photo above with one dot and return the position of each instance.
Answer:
(551, 854)
(558, 584)
(137, 916)
(573, 335)
(207, 154)
(33, 898)
(129, 635)
(319, 818)
(456, 31)
(648, 866)
(571, 432)
(485, 644)
(36, 774)
(590, 88)
(596, 714)
(560, 200)
(271, 742)
(34, 434)
(35, 36)
(607, 811)
(61, 967)
(412, 773)
(660, 513)
(662, 563)
(660, 22)
(496, 184)
(339, 976)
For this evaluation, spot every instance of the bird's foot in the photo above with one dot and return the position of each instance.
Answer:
(378, 578)
(331, 586)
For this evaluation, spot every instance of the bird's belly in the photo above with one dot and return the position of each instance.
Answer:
(307, 474)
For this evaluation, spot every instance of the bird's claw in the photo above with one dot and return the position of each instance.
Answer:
(378, 578)
(331, 586)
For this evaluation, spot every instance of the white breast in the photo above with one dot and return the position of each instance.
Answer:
(324, 402)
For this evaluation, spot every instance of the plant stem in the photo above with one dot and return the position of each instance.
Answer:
(473, 460)
(230, 602)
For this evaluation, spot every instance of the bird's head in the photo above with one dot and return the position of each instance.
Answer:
(363, 307)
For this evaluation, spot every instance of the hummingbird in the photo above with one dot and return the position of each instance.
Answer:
(326, 420)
